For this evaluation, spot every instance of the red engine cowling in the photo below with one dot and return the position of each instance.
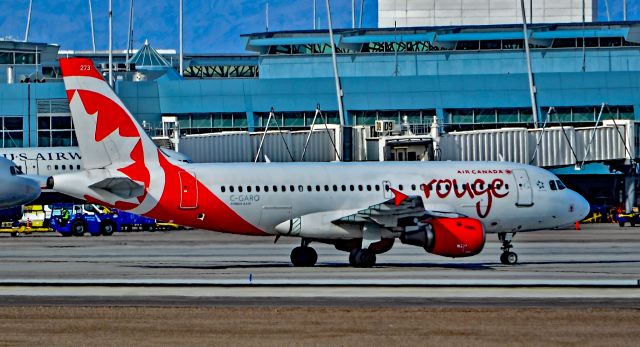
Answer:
(449, 237)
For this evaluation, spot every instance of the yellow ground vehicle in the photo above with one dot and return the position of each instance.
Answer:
(35, 218)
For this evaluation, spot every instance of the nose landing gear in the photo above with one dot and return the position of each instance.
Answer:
(304, 256)
(507, 257)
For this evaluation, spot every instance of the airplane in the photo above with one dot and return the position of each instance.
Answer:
(15, 188)
(447, 208)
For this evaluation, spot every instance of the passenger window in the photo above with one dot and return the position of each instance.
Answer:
(300, 188)
(292, 188)
(231, 189)
(275, 188)
(64, 167)
(284, 189)
(438, 187)
(368, 187)
(222, 189)
(266, 189)
(239, 189)
(401, 187)
(335, 188)
(352, 188)
(317, 188)
(78, 167)
(258, 189)
(377, 188)
(561, 185)
(55, 167)
(326, 188)
(248, 189)
(413, 187)
(309, 188)
(552, 185)
(360, 188)
(506, 186)
(344, 188)
(386, 187)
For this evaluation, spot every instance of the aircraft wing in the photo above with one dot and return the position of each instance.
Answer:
(399, 211)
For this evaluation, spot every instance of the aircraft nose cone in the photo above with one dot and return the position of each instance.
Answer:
(31, 190)
(582, 206)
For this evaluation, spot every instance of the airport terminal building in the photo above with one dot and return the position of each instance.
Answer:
(468, 77)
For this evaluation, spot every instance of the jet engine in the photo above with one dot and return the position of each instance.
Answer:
(449, 237)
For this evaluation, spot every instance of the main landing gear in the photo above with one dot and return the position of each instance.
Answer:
(304, 256)
(362, 257)
(507, 257)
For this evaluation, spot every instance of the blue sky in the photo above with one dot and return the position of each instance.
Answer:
(212, 26)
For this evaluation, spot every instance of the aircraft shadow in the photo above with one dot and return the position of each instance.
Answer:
(466, 266)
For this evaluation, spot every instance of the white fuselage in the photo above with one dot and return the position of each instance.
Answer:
(270, 195)
(44, 161)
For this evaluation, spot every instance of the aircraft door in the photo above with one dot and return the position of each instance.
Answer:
(30, 167)
(525, 193)
(386, 188)
(188, 190)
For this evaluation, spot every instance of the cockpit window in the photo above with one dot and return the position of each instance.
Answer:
(561, 185)
(552, 185)
(15, 170)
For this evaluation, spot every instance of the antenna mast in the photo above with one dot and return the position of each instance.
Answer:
(181, 54)
(339, 92)
(111, 43)
(26, 33)
(93, 35)
(130, 33)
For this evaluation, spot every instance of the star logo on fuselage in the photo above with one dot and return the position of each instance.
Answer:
(540, 185)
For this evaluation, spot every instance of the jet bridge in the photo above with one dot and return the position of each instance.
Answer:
(611, 142)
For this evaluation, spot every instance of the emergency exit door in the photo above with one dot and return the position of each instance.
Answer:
(188, 190)
(525, 192)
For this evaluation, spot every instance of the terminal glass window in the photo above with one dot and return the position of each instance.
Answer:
(202, 123)
(55, 126)
(6, 57)
(11, 130)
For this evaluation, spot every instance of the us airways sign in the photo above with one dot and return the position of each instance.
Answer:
(42, 156)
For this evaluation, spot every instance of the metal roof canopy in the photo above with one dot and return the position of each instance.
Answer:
(628, 30)
(149, 58)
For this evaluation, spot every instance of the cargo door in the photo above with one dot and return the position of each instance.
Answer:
(525, 192)
(188, 190)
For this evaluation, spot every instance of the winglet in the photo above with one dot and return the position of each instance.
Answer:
(399, 197)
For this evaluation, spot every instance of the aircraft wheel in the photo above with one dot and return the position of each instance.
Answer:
(508, 258)
(621, 224)
(304, 256)
(107, 228)
(362, 258)
(78, 228)
(632, 224)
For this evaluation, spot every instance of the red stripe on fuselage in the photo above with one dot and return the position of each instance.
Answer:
(217, 215)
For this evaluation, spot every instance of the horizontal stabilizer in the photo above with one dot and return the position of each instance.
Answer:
(120, 186)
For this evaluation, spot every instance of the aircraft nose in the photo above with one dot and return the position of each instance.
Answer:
(31, 190)
(582, 206)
